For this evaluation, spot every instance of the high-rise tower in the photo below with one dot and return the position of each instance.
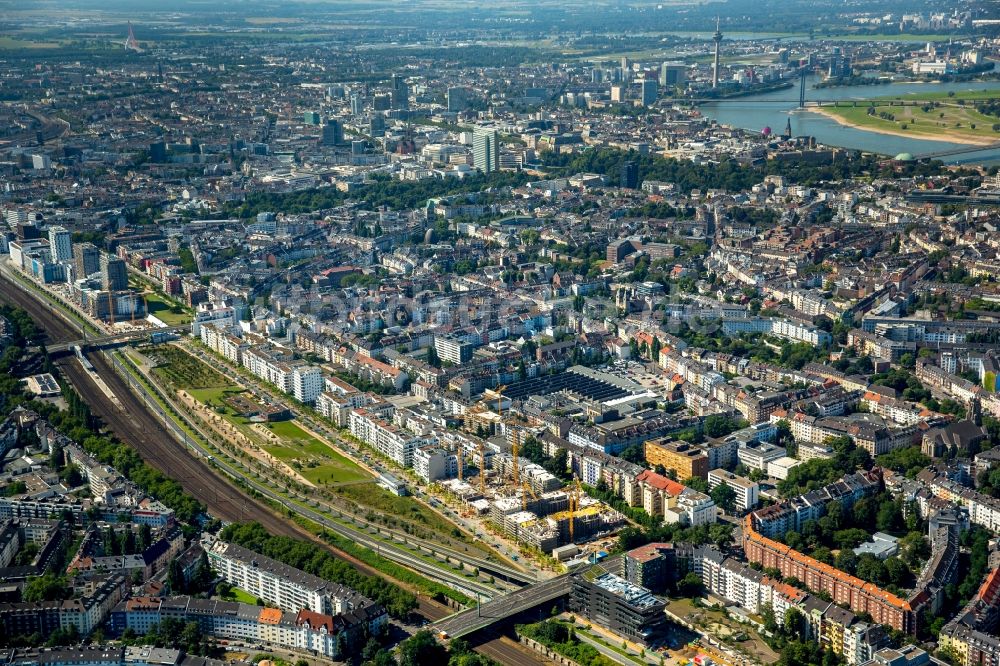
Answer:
(717, 38)
(131, 44)
(60, 244)
(486, 149)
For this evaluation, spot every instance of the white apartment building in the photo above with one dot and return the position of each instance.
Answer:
(60, 244)
(747, 491)
(389, 440)
(223, 343)
(261, 363)
(337, 406)
(222, 315)
(453, 349)
(302, 630)
(432, 463)
(307, 383)
(756, 455)
(780, 468)
(283, 586)
(691, 508)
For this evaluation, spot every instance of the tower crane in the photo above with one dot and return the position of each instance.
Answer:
(482, 468)
(525, 490)
(574, 504)
(499, 391)
(514, 450)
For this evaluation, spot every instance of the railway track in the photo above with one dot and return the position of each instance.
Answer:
(135, 426)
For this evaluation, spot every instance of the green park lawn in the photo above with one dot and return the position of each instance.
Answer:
(171, 314)
(186, 372)
(243, 597)
(320, 463)
(950, 117)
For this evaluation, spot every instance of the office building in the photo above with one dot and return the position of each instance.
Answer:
(649, 92)
(86, 260)
(486, 149)
(26, 230)
(673, 74)
(333, 132)
(452, 349)
(630, 175)
(357, 105)
(114, 273)
(458, 99)
(400, 92)
(60, 244)
(626, 609)
(158, 152)
(652, 566)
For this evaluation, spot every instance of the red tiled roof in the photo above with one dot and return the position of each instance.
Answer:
(660, 482)
(822, 568)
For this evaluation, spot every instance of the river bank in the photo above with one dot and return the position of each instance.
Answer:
(779, 107)
(917, 133)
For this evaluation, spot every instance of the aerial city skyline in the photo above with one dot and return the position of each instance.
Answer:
(405, 334)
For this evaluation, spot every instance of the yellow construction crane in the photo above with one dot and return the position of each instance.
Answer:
(499, 391)
(460, 463)
(525, 489)
(482, 468)
(514, 449)
(574, 504)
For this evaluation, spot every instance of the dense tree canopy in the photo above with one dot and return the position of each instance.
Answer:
(320, 562)
(396, 194)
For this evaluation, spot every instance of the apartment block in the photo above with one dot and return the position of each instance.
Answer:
(307, 383)
(684, 458)
(614, 603)
(388, 439)
(747, 491)
(286, 587)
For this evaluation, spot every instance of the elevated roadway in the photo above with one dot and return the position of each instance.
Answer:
(497, 610)
(105, 340)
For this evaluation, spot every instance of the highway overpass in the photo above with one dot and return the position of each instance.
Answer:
(105, 340)
(499, 609)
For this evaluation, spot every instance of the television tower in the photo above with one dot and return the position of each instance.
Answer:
(131, 44)
(717, 38)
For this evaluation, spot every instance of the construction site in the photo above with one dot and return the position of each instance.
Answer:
(525, 501)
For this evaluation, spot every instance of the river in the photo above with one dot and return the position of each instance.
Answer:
(773, 109)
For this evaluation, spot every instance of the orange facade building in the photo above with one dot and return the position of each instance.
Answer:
(862, 597)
